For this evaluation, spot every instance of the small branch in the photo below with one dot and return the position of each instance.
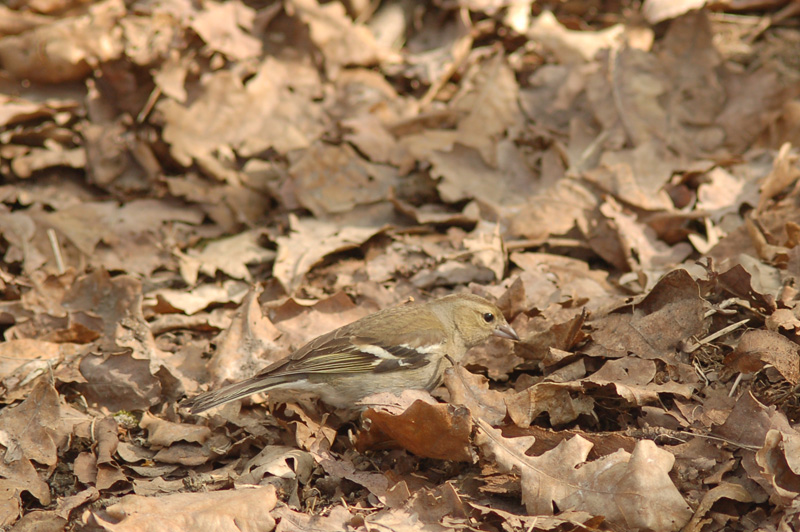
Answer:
(51, 235)
(712, 337)
(735, 384)
(722, 308)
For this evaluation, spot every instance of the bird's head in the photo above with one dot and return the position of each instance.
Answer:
(475, 319)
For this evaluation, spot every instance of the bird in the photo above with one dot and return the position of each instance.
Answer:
(398, 348)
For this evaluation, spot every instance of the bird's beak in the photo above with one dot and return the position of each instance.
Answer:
(505, 331)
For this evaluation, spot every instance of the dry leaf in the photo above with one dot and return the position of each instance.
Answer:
(219, 511)
(163, 433)
(780, 466)
(69, 47)
(629, 490)
(229, 255)
(226, 27)
(758, 348)
(429, 430)
(670, 314)
(472, 391)
(361, 154)
(309, 241)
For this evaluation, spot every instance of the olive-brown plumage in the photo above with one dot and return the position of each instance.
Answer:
(399, 348)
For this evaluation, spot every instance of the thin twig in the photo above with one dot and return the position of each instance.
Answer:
(722, 306)
(714, 336)
(51, 235)
(735, 384)
(720, 439)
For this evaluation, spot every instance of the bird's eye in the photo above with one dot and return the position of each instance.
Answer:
(488, 317)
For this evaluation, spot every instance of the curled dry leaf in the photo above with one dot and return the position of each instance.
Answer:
(487, 249)
(555, 398)
(553, 211)
(779, 460)
(340, 40)
(100, 469)
(451, 272)
(247, 345)
(631, 490)
(496, 356)
(401, 520)
(163, 433)
(280, 461)
(37, 159)
(635, 492)
(429, 430)
(465, 175)
(656, 11)
(472, 391)
(757, 286)
(308, 242)
(201, 297)
(226, 27)
(488, 105)
(555, 328)
(784, 319)
(132, 453)
(726, 490)
(85, 467)
(759, 347)
(555, 278)
(565, 395)
(633, 380)
(644, 251)
(300, 322)
(104, 432)
(748, 423)
(20, 476)
(191, 454)
(67, 504)
(229, 255)
(573, 47)
(784, 172)
(68, 48)
(23, 359)
(33, 429)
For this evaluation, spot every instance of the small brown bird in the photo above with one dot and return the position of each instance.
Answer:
(392, 350)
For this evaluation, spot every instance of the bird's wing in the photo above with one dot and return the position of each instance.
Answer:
(341, 351)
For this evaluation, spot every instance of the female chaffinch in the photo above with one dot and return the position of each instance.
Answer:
(392, 350)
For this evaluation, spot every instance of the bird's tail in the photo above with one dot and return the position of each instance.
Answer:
(231, 392)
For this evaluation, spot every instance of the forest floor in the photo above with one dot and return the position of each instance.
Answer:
(193, 189)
